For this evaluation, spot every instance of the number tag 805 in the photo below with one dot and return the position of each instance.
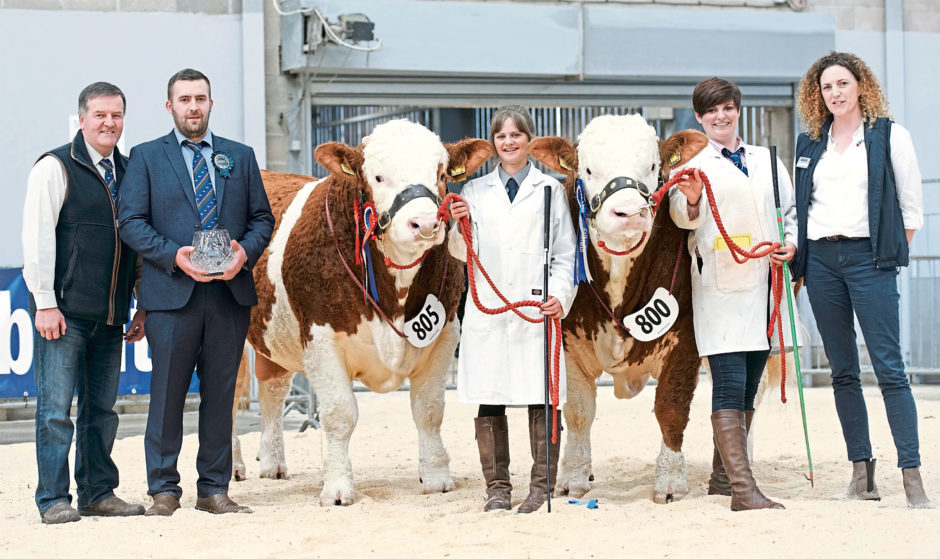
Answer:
(427, 324)
(655, 318)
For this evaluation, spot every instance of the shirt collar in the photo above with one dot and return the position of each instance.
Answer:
(180, 138)
(858, 137)
(738, 144)
(97, 157)
(520, 176)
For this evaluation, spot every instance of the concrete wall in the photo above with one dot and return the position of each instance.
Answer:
(51, 50)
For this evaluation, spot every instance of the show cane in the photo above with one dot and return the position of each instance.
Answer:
(786, 285)
(546, 325)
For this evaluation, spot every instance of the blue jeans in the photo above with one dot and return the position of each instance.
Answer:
(735, 378)
(86, 358)
(841, 278)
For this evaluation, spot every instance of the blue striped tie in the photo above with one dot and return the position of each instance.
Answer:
(109, 178)
(205, 195)
(735, 157)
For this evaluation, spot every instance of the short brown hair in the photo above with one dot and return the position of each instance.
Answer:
(811, 105)
(520, 117)
(714, 91)
(187, 74)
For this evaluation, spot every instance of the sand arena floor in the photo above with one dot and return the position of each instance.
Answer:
(391, 518)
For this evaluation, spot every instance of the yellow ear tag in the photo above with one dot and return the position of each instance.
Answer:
(458, 171)
(674, 158)
(564, 164)
(346, 169)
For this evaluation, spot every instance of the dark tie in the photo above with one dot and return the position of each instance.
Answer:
(205, 195)
(512, 187)
(735, 157)
(109, 178)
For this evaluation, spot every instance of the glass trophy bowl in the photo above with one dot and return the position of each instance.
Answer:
(214, 253)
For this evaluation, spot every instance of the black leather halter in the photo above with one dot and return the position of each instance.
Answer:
(615, 185)
(413, 192)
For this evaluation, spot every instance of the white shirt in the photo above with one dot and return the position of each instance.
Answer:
(45, 194)
(838, 203)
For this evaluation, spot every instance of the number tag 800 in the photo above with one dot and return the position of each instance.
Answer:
(427, 324)
(654, 319)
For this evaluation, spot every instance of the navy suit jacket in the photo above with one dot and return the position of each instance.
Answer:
(157, 215)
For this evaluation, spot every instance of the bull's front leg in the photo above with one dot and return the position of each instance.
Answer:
(273, 389)
(574, 474)
(673, 399)
(339, 414)
(427, 408)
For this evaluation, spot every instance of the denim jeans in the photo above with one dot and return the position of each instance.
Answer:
(735, 378)
(841, 278)
(86, 358)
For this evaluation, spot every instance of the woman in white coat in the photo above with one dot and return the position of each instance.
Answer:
(731, 301)
(501, 356)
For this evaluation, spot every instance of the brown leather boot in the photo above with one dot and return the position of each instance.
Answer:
(863, 485)
(718, 483)
(493, 442)
(539, 484)
(731, 435)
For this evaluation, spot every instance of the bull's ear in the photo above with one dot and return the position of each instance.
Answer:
(466, 156)
(558, 154)
(679, 148)
(338, 158)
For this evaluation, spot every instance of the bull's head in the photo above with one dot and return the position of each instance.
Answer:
(617, 164)
(403, 168)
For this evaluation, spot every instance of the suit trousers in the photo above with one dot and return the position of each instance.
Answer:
(841, 279)
(208, 335)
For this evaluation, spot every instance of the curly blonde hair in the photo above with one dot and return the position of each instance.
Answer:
(811, 105)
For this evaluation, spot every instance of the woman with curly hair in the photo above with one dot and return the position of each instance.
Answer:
(859, 202)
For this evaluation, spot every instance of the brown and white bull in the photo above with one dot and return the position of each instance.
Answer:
(631, 253)
(314, 318)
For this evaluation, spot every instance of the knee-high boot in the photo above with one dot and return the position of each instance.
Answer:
(718, 483)
(541, 484)
(731, 436)
(493, 442)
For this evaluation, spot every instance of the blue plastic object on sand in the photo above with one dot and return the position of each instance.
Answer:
(591, 503)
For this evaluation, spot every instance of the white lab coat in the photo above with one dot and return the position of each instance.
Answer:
(501, 356)
(731, 301)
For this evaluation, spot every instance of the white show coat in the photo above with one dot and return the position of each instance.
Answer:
(730, 300)
(501, 356)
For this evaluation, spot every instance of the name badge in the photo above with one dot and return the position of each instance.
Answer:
(803, 162)
(427, 324)
(655, 318)
(743, 241)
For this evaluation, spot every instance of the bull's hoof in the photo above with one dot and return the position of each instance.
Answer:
(337, 493)
(239, 472)
(573, 487)
(437, 484)
(671, 477)
(274, 471)
(662, 498)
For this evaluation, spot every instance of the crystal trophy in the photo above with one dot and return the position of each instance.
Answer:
(214, 253)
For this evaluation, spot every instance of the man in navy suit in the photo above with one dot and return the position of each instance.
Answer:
(187, 181)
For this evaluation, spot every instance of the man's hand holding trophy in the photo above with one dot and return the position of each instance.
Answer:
(213, 255)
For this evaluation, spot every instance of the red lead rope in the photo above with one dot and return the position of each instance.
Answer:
(554, 330)
(741, 256)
